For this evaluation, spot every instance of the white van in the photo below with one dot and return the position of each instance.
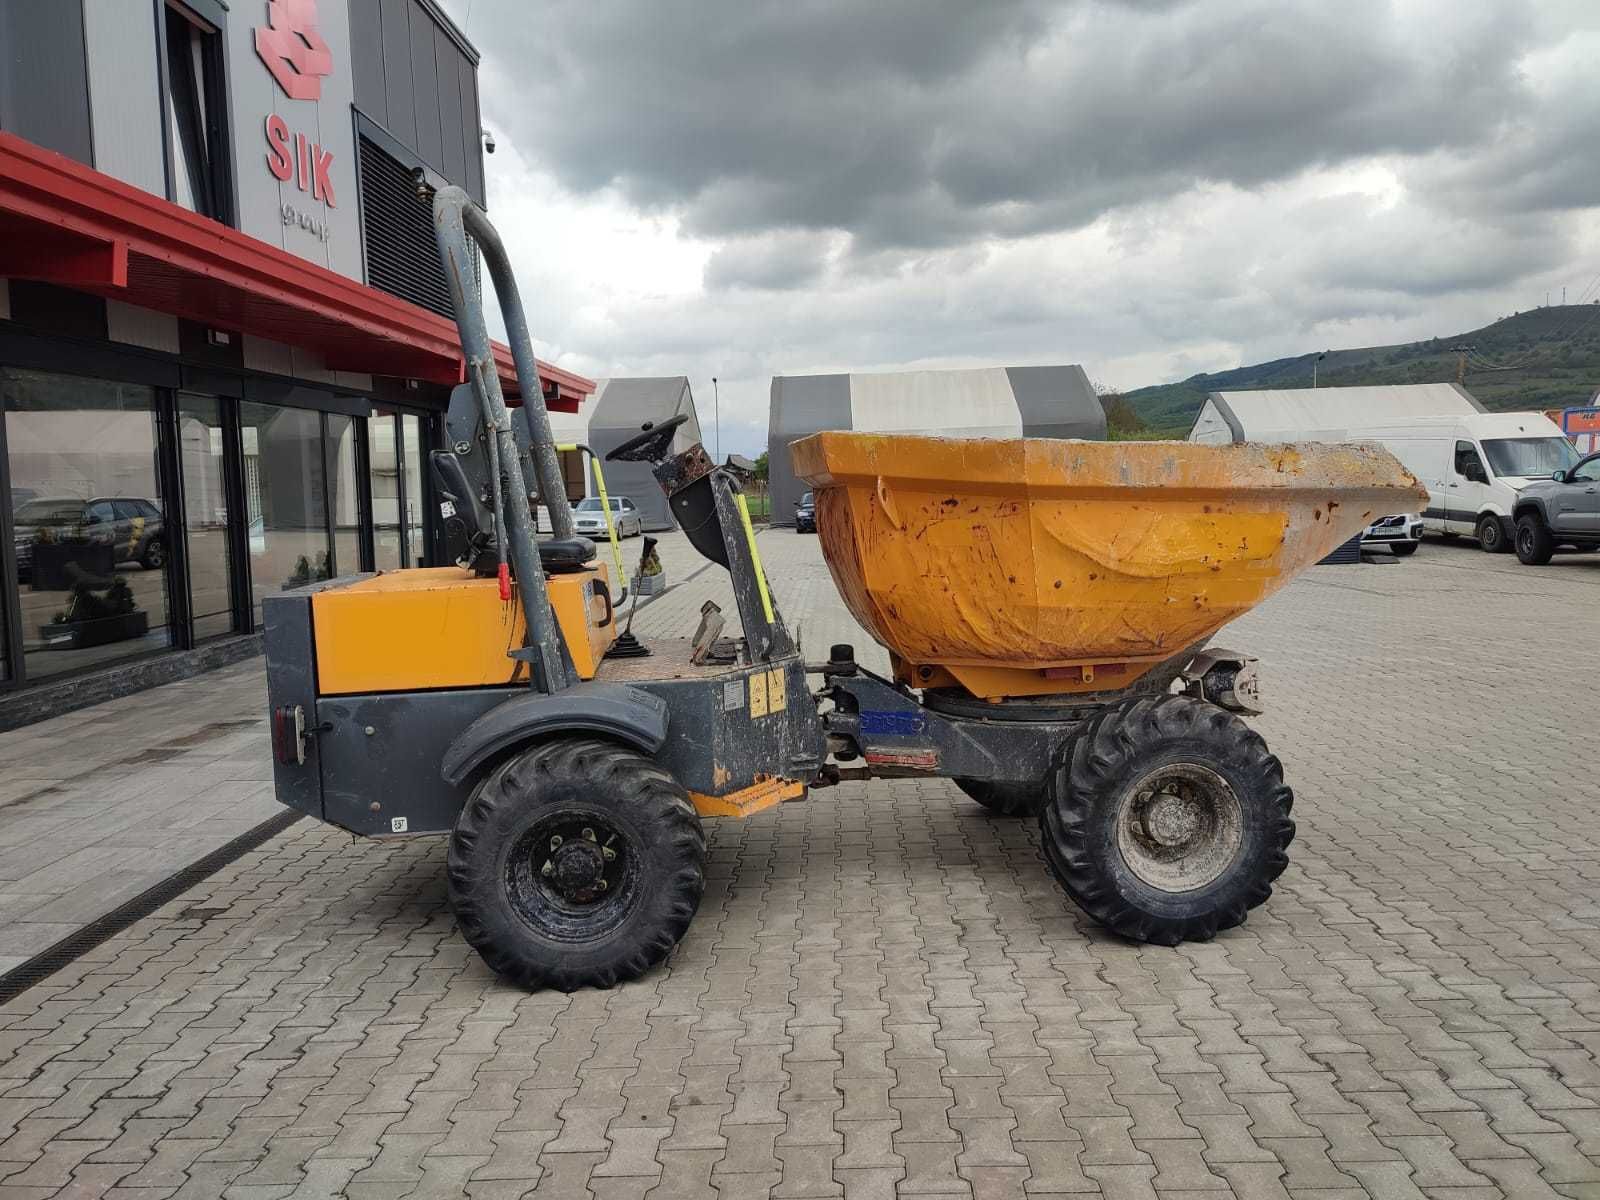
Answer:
(1473, 466)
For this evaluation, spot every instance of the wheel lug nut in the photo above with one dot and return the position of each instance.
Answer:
(588, 835)
(548, 869)
(555, 841)
(602, 885)
(608, 853)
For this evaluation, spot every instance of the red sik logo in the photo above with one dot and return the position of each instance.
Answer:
(292, 48)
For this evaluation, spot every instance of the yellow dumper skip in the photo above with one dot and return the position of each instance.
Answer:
(1032, 566)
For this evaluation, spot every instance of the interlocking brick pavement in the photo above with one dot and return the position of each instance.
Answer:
(886, 994)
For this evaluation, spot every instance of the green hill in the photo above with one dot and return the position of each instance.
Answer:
(1552, 355)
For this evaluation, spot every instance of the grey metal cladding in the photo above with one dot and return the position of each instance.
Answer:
(471, 124)
(1057, 402)
(366, 53)
(397, 86)
(453, 156)
(425, 89)
(801, 405)
(612, 709)
(44, 76)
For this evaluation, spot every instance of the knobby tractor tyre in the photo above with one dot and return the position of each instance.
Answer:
(1168, 820)
(1006, 799)
(576, 863)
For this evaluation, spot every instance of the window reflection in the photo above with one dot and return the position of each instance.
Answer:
(383, 455)
(205, 505)
(344, 493)
(411, 429)
(87, 519)
(284, 498)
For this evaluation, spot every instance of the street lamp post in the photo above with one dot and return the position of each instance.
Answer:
(1314, 363)
(716, 420)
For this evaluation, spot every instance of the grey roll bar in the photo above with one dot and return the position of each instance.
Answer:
(454, 216)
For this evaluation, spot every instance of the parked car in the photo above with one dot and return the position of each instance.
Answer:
(1563, 510)
(805, 514)
(1402, 533)
(591, 517)
(132, 527)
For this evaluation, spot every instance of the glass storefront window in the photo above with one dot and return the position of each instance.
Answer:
(411, 431)
(384, 459)
(285, 499)
(201, 456)
(87, 518)
(344, 489)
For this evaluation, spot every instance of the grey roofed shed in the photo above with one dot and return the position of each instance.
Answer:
(621, 407)
(1054, 402)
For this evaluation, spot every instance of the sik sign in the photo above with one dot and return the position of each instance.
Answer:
(294, 53)
(307, 163)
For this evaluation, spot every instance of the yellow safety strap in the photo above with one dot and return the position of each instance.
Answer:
(755, 556)
(605, 504)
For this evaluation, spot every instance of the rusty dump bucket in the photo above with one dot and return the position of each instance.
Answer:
(1034, 566)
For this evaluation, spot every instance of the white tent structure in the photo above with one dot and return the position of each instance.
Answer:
(1321, 414)
(998, 402)
(617, 412)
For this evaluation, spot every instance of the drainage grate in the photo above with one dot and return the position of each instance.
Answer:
(72, 947)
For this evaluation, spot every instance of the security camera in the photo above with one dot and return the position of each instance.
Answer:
(488, 142)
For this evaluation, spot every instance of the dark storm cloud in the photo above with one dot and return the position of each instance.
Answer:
(929, 123)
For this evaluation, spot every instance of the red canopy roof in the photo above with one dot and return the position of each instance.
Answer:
(63, 223)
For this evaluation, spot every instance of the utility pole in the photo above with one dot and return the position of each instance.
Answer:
(1314, 363)
(716, 420)
(1461, 353)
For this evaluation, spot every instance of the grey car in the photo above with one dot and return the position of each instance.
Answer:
(1563, 510)
(590, 517)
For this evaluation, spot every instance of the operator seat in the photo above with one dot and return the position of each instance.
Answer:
(469, 525)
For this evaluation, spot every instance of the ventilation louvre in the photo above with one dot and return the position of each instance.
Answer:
(402, 255)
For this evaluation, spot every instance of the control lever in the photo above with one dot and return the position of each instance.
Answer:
(628, 646)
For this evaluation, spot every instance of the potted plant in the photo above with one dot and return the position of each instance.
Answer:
(305, 573)
(96, 618)
(650, 579)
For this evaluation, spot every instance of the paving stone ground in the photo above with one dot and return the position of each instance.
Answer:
(885, 994)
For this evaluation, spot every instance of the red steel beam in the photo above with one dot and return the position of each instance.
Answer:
(68, 224)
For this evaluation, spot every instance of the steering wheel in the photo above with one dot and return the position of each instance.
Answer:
(649, 446)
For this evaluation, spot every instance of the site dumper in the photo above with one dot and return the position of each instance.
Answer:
(1046, 605)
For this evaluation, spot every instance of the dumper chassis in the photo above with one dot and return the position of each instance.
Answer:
(573, 786)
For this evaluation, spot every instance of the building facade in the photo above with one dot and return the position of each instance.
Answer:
(225, 336)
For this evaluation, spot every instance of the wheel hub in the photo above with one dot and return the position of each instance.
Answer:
(1180, 827)
(1171, 820)
(577, 870)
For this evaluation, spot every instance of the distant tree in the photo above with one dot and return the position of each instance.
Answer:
(1122, 420)
(761, 466)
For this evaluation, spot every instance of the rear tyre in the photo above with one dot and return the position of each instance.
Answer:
(1168, 821)
(1006, 799)
(1535, 546)
(1491, 535)
(577, 863)
(1404, 549)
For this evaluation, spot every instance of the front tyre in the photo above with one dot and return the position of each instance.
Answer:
(1168, 821)
(1491, 534)
(1535, 546)
(577, 863)
(1403, 549)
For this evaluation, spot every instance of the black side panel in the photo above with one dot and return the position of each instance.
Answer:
(44, 79)
(396, 766)
(471, 127)
(453, 160)
(292, 680)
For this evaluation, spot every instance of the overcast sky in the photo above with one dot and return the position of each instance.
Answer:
(1148, 187)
